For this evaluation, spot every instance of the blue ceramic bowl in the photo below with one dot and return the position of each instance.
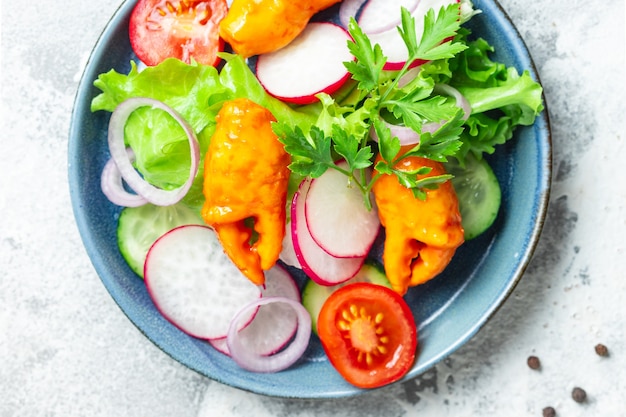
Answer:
(449, 310)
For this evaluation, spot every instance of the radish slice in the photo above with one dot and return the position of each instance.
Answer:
(288, 253)
(247, 356)
(274, 324)
(119, 154)
(221, 345)
(321, 267)
(383, 15)
(113, 187)
(391, 42)
(337, 218)
(312, 63)
(195, 285)
(348, 9)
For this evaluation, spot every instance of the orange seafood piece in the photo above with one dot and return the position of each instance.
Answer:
(421, 235)
(254, 27)
(245, 178)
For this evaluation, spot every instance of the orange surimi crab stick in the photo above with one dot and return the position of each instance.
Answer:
(245, 179)
(421, 235)
(262, 26)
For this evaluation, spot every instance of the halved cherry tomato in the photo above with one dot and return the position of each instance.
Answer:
(182, 29)
(368, 333)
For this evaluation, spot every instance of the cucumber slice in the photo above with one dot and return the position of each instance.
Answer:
(139, 227)
(314, 295)
(479, 194)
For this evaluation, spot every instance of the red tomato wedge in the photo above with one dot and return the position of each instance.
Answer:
(368, 333)
(183, 29)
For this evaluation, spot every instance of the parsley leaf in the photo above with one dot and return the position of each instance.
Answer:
(309, 157)
(343, 128)
(369, 63)
(444, 25)
(348, 147)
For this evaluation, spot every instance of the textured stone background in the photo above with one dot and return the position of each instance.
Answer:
(67, 350)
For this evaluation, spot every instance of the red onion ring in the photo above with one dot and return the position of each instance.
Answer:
(409, 76)
(118, 152)
(408, 136)
(373, 29)
(461, 101)
(348, 9)
(251, 360)
(113, 188)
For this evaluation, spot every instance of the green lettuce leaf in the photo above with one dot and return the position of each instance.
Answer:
(195, 91)
(186, 88)
(521, 93)
(501, 99)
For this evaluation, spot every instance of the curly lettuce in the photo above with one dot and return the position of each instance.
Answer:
(195, 91)
(501, 99)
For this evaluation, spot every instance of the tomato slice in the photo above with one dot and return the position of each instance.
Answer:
(182, 29)
(368, 333)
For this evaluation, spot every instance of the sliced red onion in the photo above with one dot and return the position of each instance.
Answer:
(250, 359)
(348, 9)
(408, 136)
(409, 76)
(386, 15)
(288, 253)
(113, 187)
(461, 101)
(273, 325)
(118, 152)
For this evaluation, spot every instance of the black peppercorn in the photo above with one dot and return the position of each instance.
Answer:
(549, 412)
(533, 362)
(579, 395)
(602, 350)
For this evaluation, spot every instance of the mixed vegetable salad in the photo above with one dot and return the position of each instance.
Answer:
(252, 138)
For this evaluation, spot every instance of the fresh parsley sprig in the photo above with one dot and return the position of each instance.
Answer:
(343, 131)
(389, 151)
(312, 155)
